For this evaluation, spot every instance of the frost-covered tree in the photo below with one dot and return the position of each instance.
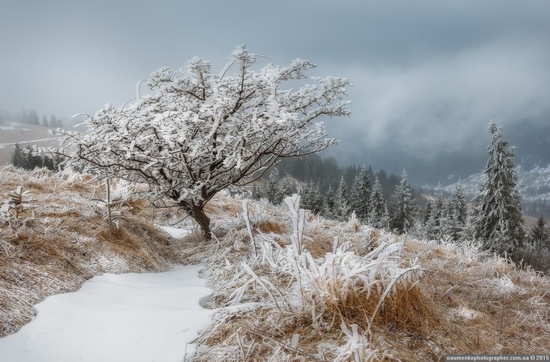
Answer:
(275, 189)
(197, 133)
(271, 189)
(426, 213)
(360, 195)
(436, 221)
(458, 214)
(18, 157)
(539, 235)
(329, 204)
(342, 209)
(403, 206)
(499, 222)
(378, 213)
(311, 198)
(288, 187)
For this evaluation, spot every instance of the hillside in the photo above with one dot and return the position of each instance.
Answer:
(24, 135)
(533, 185)
(286, 284)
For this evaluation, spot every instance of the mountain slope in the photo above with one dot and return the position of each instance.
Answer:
(287, 285)
(533, 185)
(24, 135)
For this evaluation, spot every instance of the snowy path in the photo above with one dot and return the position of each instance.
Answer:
(126, 317)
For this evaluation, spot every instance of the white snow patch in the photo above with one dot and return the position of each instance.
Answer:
(175, 232)
(465, 313)
(126, 317)
(506, 285)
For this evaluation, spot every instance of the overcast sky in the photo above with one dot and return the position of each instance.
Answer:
(428, 75)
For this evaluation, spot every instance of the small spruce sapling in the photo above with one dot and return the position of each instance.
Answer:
(17, 204)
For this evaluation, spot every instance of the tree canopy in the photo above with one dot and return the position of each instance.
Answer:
(498, 216)
(197, 133)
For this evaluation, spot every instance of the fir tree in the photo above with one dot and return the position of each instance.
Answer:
(498, 220)
(328, 204)
(18, 157)
(434, 229)
(55, 122)
(539, 233)
(256, 194)
(287, 187)
(342, 209)
(360, 195)
(378, 211)
(426, 213)
(459, 214)
(272, 189)
(403, 206)
(312, 199)
(448, 224)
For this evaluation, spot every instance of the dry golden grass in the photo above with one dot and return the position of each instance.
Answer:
(463, 304)
(485, 306)
(269, 227)
(67, 242)
(320, 245)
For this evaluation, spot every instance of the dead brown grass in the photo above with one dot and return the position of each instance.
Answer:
(268, 227)
(321, 244)
(67, 242)
(460, 305)
(478, 316)
(405, 309)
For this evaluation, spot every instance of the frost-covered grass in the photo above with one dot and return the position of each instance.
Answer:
(288, 285)
(60, 240)
(278, 301)
(291, 286)
(487, 303)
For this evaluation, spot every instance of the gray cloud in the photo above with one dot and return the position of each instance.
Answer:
(445, 102)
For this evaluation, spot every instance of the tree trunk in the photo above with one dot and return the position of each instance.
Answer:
(197, 212)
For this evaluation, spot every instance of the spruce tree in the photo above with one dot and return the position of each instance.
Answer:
(499, 223)
(403, 206)
(342, 209)
(459, 214)
(328, 204)
(378, 211)
(434, 225)
(18, 157)
(272, 189)
(287, 187)
(426, 213)
(539, 234)
(360, 195)
(311, 198)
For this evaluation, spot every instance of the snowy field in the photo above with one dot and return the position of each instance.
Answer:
(126, 317)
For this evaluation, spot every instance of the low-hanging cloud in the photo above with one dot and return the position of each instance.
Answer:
(446, 102)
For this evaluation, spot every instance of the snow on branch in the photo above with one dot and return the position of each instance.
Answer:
(196, 133)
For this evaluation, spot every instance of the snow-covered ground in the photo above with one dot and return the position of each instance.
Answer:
(125, 317)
